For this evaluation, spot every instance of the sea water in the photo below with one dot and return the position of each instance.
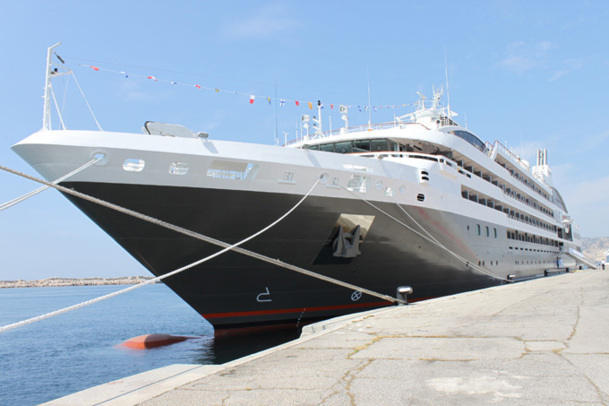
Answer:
(80, 349)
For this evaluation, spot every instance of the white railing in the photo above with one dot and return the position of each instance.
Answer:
(356, 129)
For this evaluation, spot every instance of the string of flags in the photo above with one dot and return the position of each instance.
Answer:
(252, 97)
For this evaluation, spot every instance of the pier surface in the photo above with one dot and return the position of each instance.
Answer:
(544, 341)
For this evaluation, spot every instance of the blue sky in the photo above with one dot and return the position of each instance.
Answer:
(532, 74)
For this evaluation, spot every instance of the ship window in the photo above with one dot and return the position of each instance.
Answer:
(488, 232)
(344, 147)
(421, 197)
(478, 229)
(327, 147)
(471, 138)
(357, 183)
(495, 232)
(230, 170)
(379, 145)
(178, 168)
(361, 146)
(134, 165)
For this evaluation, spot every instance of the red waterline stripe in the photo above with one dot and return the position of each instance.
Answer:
(296, 310)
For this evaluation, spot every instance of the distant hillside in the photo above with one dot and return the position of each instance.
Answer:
(595, 248)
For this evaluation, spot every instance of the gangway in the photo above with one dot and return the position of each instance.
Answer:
(579, 257)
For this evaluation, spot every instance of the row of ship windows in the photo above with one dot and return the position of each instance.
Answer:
(533, 250)
(241, 171)
(220, 169)
(509, 211)
(487, 229)
(534, 262)
(523, 198)
(525, 181)
(515, 235)
(523, 262)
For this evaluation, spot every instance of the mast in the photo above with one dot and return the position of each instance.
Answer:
(46, 118)
(447, 88)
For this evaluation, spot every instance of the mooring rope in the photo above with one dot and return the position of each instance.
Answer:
(19, 199)
(154, 280)
(205, 238)
(431, 239)
(439, 244)
(226, 246)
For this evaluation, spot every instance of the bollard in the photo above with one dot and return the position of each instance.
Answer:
(403, 292)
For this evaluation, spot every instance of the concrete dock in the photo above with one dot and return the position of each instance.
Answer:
(544, 341)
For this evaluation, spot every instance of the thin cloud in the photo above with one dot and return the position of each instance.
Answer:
(267, 23)
(521, 57)
(567, 66)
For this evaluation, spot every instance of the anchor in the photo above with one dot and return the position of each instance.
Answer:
(346, 245)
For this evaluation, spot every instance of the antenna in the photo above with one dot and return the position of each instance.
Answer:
(369, 104)
(276, 125)
(447, 88)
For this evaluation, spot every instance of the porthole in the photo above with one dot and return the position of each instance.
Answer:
(134, 165)
(178, 168)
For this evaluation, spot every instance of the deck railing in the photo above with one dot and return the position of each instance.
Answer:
(356, 129)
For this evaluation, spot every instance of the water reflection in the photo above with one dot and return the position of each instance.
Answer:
(226, 348)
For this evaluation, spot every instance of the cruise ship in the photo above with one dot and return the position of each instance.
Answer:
(420, 202)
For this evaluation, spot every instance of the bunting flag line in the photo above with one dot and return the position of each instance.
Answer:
(252, 97)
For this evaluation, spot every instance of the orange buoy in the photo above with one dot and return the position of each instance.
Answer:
(153, 340)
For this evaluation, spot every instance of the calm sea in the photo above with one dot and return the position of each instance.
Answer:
(77, 350)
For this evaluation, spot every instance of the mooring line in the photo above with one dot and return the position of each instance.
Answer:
(439, 244)
(19, 199)
(161, 223)
(154, 280)
(430, 239)
(205, 238)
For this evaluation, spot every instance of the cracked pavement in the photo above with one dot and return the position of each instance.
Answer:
(544, 341)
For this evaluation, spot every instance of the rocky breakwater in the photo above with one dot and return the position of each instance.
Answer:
(53, 282)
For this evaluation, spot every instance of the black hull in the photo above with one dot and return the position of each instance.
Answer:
(235, 291)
